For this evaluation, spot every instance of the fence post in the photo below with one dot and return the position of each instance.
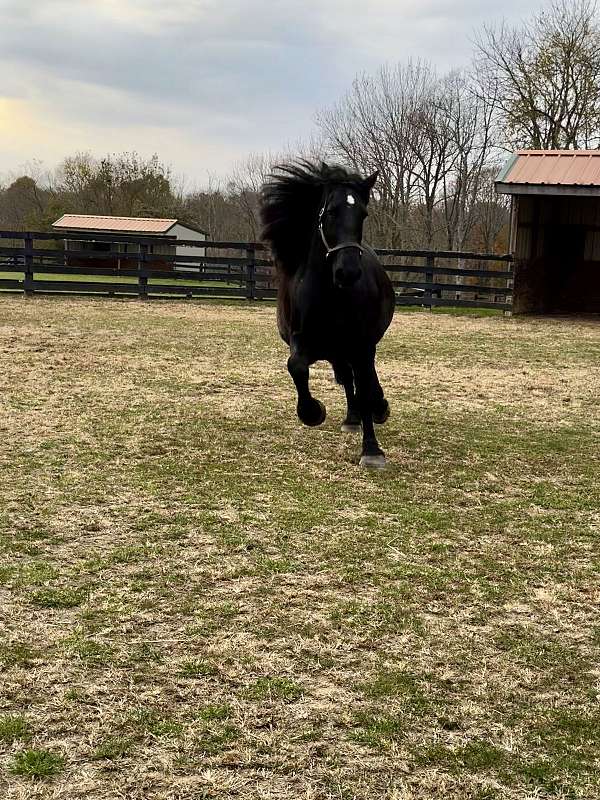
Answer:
(250, 273)
(510, 284)
(28, 283)
(429, 265)
(142, 272)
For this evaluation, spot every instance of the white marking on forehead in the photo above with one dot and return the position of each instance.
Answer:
(350, 199)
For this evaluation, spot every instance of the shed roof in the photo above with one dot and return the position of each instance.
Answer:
(91, 222)
(551, 172)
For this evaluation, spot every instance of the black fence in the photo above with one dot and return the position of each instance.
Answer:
(120, 265)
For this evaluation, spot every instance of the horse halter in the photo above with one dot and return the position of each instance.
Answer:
(343, 246)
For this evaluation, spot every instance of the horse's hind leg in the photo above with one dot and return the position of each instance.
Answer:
(381, 407)
(310, 410)
(369, 394)
(345, 377)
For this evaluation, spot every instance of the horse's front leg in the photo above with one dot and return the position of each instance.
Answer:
(369, 397)
(345, 377)
(310, 410)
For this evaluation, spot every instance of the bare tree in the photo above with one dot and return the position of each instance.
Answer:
(246, 180)
(432, 142)
(244, 187)
(210, 209)
(544, 76)
(470, 123)
(491, 213)
(368, 129)
(430, 137)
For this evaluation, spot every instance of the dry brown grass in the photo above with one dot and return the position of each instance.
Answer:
(200, 598)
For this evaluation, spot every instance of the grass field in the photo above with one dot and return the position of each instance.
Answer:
(202, 599)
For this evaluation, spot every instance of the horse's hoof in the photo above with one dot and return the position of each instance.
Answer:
(373, 462)
(383, 416)
(351, 427)
(313, 414)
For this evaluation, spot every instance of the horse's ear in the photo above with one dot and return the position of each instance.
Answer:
(368, 184)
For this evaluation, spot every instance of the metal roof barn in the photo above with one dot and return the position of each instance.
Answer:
(136, 226)
(569, 172)
(555, 229)
(92, 222)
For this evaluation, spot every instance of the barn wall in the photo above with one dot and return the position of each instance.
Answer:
(181, 232)
(161, 249)
(129, 259)
(557, 254)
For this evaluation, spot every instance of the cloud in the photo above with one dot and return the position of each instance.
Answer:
(219, 77)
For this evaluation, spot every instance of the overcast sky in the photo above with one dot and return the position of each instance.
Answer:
(204, 82)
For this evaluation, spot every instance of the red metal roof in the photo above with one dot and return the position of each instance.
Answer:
(552, 168)
(89, 222)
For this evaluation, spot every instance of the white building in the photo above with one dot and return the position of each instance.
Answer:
(134, 226)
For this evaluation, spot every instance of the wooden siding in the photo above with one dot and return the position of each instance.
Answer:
(557, 254)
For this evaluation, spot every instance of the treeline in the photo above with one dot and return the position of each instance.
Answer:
(125, 185)
(437, 141)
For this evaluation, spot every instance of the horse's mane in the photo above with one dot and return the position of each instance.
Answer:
(289, 203)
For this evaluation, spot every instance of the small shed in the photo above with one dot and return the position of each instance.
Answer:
(135, 227)
(555, 229)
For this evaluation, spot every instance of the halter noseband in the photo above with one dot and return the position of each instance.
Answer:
(343, 246)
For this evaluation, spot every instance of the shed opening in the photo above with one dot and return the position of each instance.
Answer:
(555, 237)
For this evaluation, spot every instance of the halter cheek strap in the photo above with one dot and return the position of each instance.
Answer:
(343, 246)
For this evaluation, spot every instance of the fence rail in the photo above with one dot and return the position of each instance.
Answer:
(142, 266)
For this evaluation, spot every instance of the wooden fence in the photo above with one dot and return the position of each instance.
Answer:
(32, 263)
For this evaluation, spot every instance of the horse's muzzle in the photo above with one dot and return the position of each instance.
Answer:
(344, 279)
(347, 269)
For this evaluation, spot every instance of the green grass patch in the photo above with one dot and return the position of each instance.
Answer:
(58, 598)
(214, 713)
(13, 728)
(33, 573)
(395, 683)
(113, 747)
(37, 764)
(214, 741)
(269, 689)
(197, 669)
(89, 651)
(18, 654)
(475, 756)
(378, 730)
(146, 720)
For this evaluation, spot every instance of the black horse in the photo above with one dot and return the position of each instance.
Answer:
(335, 300)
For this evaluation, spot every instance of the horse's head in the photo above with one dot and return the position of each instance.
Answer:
(341, 220)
